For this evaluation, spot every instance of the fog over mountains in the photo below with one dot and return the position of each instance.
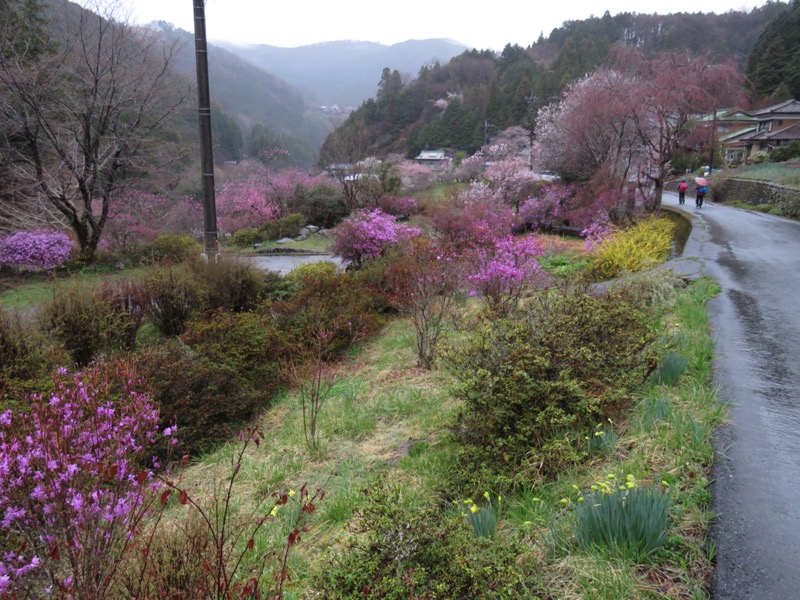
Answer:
(344, 73)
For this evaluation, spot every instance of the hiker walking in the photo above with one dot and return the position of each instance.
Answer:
(682, 187)
(702, 190)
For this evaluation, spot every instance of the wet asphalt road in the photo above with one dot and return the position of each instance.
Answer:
(756, 327)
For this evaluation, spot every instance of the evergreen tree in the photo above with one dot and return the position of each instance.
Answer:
(227, 135)
(774, 61)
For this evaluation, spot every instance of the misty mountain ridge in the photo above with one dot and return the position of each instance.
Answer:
(344, 72)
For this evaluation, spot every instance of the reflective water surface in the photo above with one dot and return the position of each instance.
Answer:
(283, 263)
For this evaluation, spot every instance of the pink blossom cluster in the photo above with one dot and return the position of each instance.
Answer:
(138, 217)
(415, 176)
(472, 219)
(259, 194)
(552, 206)
(399, 206)
(595, 234)
(42, 249)
(512, 180)
(245, 204)
(366, 234)
(70, 487)
(507, 269)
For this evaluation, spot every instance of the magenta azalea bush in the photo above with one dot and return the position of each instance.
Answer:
(44, 250)
(367, 234)
(71, 489)
(506, 271)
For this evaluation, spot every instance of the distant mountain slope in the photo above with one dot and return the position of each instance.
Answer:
(252, 96)
(345, 73)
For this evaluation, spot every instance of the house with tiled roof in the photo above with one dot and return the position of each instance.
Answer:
(776, 126)
(433, 158)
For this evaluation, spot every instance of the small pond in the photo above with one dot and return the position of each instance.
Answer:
(285, 262)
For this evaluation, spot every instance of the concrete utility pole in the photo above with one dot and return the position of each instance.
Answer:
(204, 112)
(713, 139)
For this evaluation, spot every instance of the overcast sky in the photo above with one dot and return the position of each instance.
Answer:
(482, 25)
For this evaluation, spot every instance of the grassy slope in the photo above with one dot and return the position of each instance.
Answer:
(388, 416)
(784, 173)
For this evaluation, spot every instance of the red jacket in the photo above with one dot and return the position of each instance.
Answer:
(683, 187)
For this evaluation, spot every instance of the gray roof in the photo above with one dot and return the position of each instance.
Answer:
(786, 107)
(787, 134)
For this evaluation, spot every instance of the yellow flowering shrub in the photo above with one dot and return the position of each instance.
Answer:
(634, 249)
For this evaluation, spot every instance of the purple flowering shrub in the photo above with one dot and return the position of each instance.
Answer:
(506, 270)
(39, 249)
(80, 517)
(595, 233)
(72, 491)
(366, 234)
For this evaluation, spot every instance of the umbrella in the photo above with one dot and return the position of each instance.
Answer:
(701, 181)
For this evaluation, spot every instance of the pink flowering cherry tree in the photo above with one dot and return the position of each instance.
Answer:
(139, 217)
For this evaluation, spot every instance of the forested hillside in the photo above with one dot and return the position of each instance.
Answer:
(461, 104)
(258, 107)
(773, 66)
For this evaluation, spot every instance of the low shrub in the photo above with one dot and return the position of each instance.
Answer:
(533, 386)
(174, 248)
(249, 343)
(374, 276)
(288, 226)
(402, 552)
(207, 401)
(327, 302)
(784, 153)
(647, 243)
(230, 284)
(247, 236)
(84, 321)
(26, 362)
(15, 345)
(130, 300)
(174, 296)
